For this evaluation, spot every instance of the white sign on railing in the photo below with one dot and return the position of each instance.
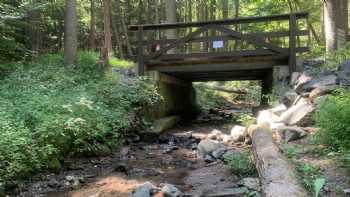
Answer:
(218, 44)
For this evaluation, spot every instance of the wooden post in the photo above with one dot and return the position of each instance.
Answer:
(292, 42)
(140, 57)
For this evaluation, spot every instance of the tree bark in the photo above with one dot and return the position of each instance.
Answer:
(35, 31)
(330, 23)
(92, 36)
(70, 33)
(107, 27)
(117, 33)
(170, 7)
(276, 174)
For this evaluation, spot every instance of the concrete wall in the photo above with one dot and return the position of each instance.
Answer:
(178, 96)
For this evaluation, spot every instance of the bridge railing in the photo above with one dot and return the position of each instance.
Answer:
(280, 36)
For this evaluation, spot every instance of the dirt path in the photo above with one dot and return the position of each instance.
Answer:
(171, 160)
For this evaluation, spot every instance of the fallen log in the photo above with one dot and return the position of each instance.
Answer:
(277, 176)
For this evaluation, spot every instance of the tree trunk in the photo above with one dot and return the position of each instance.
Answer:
(92, 36)
(170, 7)
(107, 27)
(34, 31)
(123, 19)
(117, 33)
(236, 4)
(276, 174)
(70, 38)
(330, 23)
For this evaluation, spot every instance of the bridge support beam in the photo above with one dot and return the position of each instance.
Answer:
(178, 96)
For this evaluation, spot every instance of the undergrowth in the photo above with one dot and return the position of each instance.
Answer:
(242, 164)
(49, 111)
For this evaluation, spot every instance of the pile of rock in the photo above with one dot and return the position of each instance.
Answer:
(288, 118)
(149, 190)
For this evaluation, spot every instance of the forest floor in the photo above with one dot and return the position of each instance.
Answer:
(172, 159)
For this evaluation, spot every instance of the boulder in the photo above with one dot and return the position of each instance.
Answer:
(163, 124)
(289, 97)
(322, 90)
(208, 146)
(266, 117)
(218, 153)
(238, 133)
(227, 139)
(291, 133)
(145, 190)
(321, 82)
(278, 110)
(171, 191)
(294, 77)
(344, 74)
(298, 114)
(215, 135)
(301, 82)
(251, 183)
(232, 192)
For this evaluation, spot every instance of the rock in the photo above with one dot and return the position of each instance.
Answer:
(218, 153)
(277, 125)
(266, 117)
(185, 135)
(227, 139)
(291, 133)
(229, 192)
(298, 114)
(171, 191)
(145, 190)
(323, 81)
(73, 181)
(209, 158)
(347, 192)
(215, 135)
(163, 124)
(207, 146)
(238, 133)
(121, 167)
(294, 77)
(137, 172)
(344, 74)
(278, 110)
(289, 97)
(319, 91)
(251, 183)
(302, 80)
(229, 154)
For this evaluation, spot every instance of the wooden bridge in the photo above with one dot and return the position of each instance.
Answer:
(235, 49)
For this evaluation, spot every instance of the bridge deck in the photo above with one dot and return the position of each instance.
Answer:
(243, 48)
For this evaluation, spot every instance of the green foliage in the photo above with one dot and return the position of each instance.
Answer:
(291, 150)
(242, 164)
(333, 119)
(246, 119)
(311, 177)
(118, 63)
(48, 111)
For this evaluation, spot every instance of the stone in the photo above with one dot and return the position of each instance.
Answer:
(251, 183)
(171, 191)
(163, 124)
(294, 77)
(229, 192)
(266, 117)
(185, 135)
(238, 133)
(145, 190)
(277, 125)
(209, 158)
(229, 154)
(278, 110)
(319, 91)
(347, 192)
(289, 97)
(227, 139)
(344, 74)
(298, 114)
(291, 133)
(218, 153)
(302, 80)
(207, 146)
(215, 135)
(322, 81)
(121, 167)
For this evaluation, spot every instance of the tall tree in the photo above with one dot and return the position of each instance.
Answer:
(107, 26)
(170, 7)
(92, 36)
(70, 33)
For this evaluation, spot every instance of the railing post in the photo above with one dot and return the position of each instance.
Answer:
(140, 56)
(292, 42)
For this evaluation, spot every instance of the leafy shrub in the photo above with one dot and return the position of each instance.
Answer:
(242, 164)
(333, 119)
(48, 111)
(310, 176)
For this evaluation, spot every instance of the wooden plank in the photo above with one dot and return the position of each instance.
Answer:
(251, 39)
(226, 38)
(179, 41)
(292, 42)
(242, 20)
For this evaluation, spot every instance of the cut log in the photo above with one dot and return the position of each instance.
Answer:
(276, 174)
